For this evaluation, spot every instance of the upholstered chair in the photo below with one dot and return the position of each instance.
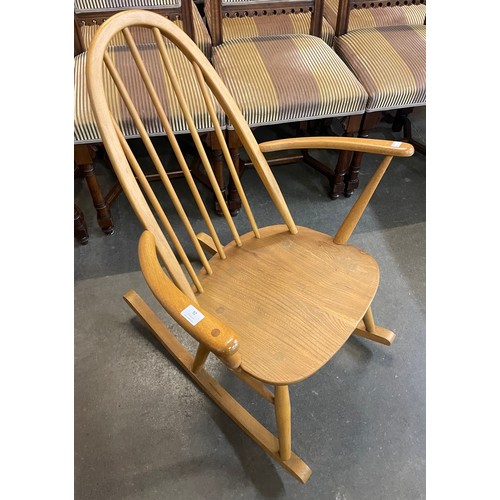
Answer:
(243, 19)
(89, 14)
(389, 60)
(401, 12)
(285, 78)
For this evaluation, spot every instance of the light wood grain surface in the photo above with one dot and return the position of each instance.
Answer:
(293, 300)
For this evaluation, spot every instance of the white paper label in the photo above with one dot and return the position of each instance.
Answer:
(396, 144)
(192, 315)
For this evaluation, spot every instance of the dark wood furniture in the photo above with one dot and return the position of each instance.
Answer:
(293, 66)
(81, 231)
(88, 16)
(390, 63)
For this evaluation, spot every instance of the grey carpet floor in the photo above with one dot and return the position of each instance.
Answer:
(144, 431)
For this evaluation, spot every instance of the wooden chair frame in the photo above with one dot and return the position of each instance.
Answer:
(218, 10)
(171, 287)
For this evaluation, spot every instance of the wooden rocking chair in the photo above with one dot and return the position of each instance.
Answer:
(275, 304)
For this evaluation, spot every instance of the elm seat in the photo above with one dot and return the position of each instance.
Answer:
(390, 63)
(309, 300)
(287, 78)
(85, 126)
(370, 18)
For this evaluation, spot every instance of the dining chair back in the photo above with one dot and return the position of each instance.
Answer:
(88, 16)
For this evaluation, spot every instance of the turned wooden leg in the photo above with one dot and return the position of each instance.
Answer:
(401, 121)
(370, 120)
(84, 157)
(262, 436)
(337, 183)
(369, 330)
(283, 420)
(81, 231)
(201, 356)
(218, 166)
(233, 198)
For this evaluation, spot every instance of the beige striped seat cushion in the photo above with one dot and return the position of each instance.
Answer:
(389, 62)
(85, 126)
(377, 17)
(81, 5)
(248, 27)
(202, 37)
(286, 78)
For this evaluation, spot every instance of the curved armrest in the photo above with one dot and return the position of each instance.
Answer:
(378, 146)
(388, 149)
(211, 332)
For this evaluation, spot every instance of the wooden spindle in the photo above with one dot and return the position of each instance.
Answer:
(225, 150)
(195, 135)
(156, 160)
(157, 206)
(283, 420)
(369, 321)
(201, 356)
(350, 222)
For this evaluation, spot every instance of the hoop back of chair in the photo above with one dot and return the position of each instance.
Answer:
(171, 43)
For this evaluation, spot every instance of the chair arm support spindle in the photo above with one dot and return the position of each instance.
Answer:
(376, 146)
(351, 221)
(209, 331)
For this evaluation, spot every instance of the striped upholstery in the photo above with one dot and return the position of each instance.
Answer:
(85, 126)
(248, 27)
(202, 37)
(389, 62)
(377, 17)
(287, 78)
(85, 5)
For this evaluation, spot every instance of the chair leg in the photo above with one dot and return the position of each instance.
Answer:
(401, 121)
(200, 358)
(233, 198)
(283, 420)
(84, 160)
(81, 231)
(337, 183)
(370, 120)
(262, 436)
(218, 166)
(373, 332)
